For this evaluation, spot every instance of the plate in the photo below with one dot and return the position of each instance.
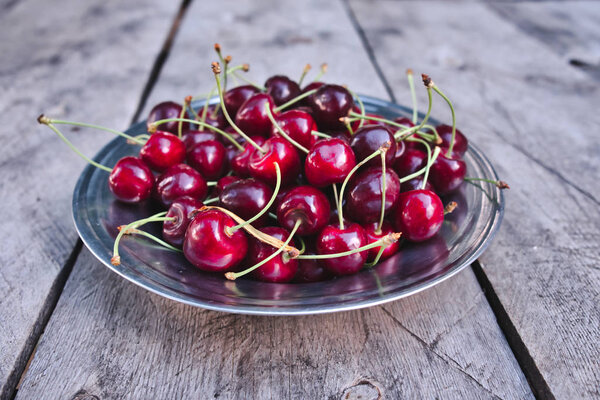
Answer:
(464, 236)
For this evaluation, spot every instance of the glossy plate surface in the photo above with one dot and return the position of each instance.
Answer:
(465, 235)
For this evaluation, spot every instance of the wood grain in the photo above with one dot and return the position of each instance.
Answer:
(534, 116)
(60, 58)
(110, 339)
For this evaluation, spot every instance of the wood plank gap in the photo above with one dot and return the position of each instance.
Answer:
(161, 58)
(536, 381)
(368, 48)
(46, 312)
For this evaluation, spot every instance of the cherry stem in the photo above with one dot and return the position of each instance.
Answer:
(102, 128)
(46, 121)
(403, 131)
(383, 179)
(321, 134)
(424, 143)
(321, 72)
(273, 216)
(361, 105)
(429, 105)
(281, 132)
(205, 108)
(307, 68)
(211, 183)
(413, 94)
(303, 244)
(451, 146)
(384, 241)
(450, 207)
(234, 275)
(154, 238)
(249, 82)
(217, 70)
(266, 208)
(381, 150)
(295, 100)
(436, 153)
(376, 260)
(499, 184)
(199, 123)
(337, 199)
(210, 201)
(124, 230)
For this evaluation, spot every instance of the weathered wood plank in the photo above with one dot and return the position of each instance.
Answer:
(536, 117)
(113, 340)
(60, 58)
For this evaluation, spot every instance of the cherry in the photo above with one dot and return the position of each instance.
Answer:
(180, 180)
(261, 165)
(404, 121)
(461, 144)
(329, 104)
(280, 268)
(328, 162)
(252, 117)
(370, 138)
(183, 211)
(364, 195)
(306, 102)
(419, 215)
(235, 97)
(400, 149)
(246, 198)
(165, 110)
(216, 119)
(209, 247)
(307, 204)
(282, 89)
(209, 158)
(311, 271)
(298, 125)
(130, 180)
(447, 173)
(162, 150)
(334, 239)
(411, 161)
(224, 182)
(415, 184)
(193, 137)
(239, 163)
(374, 234)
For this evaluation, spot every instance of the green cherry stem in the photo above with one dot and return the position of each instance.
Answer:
(424, 143)
(322, 72)
(321, 134)
(102, 128)
(155, 124)
(205, 108)
(46, 121)
(234, 275)
(186, 103)
(249, 82)
(499, 184)
(303, 245)
(307, 68)
(413, 94)
(435, 155)
(384, 241)
(295, 100)
(210, 201)
(383, 179)
(125, 229)
(438, 91)
(280, 130)
(361, 106)
(154, 238)
(376, 260)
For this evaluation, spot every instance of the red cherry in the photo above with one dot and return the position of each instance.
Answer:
(419, 215)
(239, 163)
(363, 202)
(246, 198)
(191, 138)
(447, 173)
(282, 89)
(305, 103)
(369, 139)
(166, 110)
(162, 150)
(224, 182)
(183, 210)
(252, 116)
(415, 184)
(235, 97)
(411, 161)
(298, 125)
(373, 236)
(278, 269)
(276, 150)
(131, 180)
(214, 119)
(180, 180)
(333, 239)
(311, 271)
(209, 247)
(307, 204)
(461, 144)
(209, 158)
(404, 121)
(329, 161)
(329, 104)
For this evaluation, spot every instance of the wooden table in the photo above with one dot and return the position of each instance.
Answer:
(522, 322)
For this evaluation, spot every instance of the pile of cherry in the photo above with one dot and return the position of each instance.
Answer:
(304, 185)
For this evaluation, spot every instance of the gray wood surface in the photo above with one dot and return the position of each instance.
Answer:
(535, 116)
(110, 339)
(58, 57)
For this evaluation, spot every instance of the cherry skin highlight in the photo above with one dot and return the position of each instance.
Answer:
(329, 161)
(307, 204)
(179, 180)
(280, 268)
(252, 116)
(246, 198)
(329, 104)
(130, 180)
(282, 89)
(298, 125)
(167, 110)
(162, 150)
(333, 240)
(419, 215)
(209, 158)
(363, 201)
(276, 150)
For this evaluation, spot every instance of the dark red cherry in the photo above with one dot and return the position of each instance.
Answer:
(235, 97)
(306, 101)
(311, 271)
(447, 173)
(180, 180)
(191, 138)
(419, 215)
(372, 121)
(329, 104)
(224, 182)
(239, 163)
(307, 204)
(415, 184)
(404, 121)
(162, 150)
(276, 150)
(280, 268)
(246, 198)
(282, 89)
(209, 158)
(369, 139)
(209, 247)
(216, 119)
(332, 240)
(252, 116)
(183, 210)
(400, 149)
(461, 144)
(130, 180)
(329, 161)
(411, 161)
(373, 236)
(298, 125)
(166, 110)
(363, 202)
